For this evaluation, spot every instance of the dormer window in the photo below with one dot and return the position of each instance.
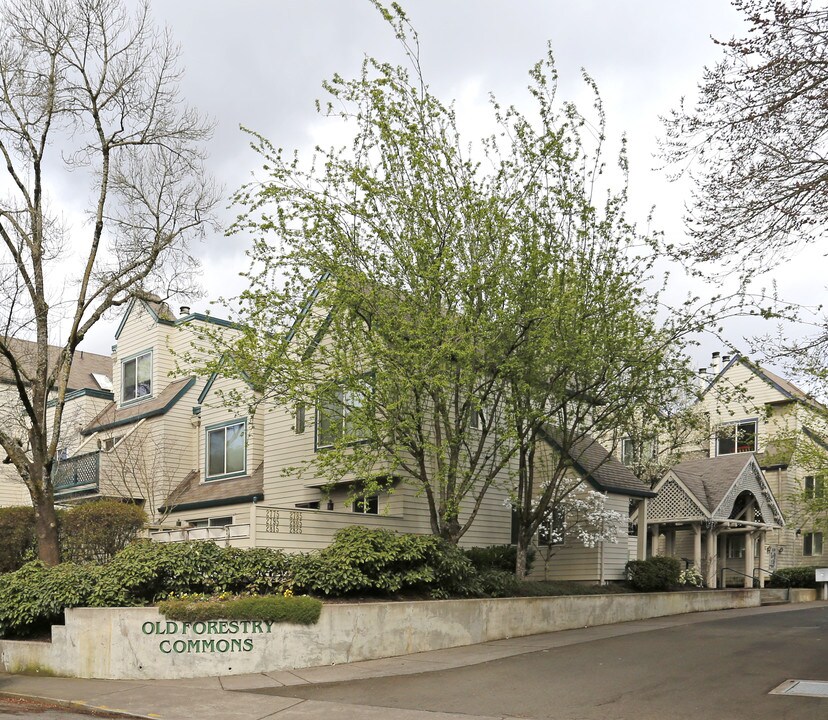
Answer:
(740, 437)
(136, 377)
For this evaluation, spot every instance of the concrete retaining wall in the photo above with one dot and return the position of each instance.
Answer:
(139, 643)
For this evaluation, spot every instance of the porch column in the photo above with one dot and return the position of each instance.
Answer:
(654, 540)
(641, 545)
(763, 557)
(697, 535)
(670, 542)
(712, 559)
(750, 559)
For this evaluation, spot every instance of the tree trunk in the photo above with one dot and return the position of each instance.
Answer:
(48, 549)
(520, 559)
(450, 530)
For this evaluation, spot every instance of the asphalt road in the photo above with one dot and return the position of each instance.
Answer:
(719, 669)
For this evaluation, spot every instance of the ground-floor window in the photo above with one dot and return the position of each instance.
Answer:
(735, 546)
(211, 522)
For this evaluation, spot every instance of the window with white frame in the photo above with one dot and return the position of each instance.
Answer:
(368, 504)
(814, 486)
(811, 544)
(627, 453)
(739, 437)
(211, 522)
(334, 417)
(226, 449)
(735, 546)
(136, 377)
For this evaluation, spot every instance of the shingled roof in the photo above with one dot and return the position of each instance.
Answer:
(84, 364)
(191, 493)
(113, 416)
(601, 468)
(709, 479)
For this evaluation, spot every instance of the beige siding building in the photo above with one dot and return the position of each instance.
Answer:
(730, 508)
(208, 467)
(88, 389)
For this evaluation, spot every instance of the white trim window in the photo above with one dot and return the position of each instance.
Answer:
(811, 544)
(226, 450)
(334, 418)
(136, 377)
(211, 522)
(738, 437)
(366, 504)
(814, 486)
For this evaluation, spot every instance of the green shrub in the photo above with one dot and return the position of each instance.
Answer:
(257, 570)
(798, 577)
(498, 583)
(97, 531)
(17, 537)
(376, 561)
(655, 574)
(35, 596)
(498, 557)
(145, 572)
(300, 610)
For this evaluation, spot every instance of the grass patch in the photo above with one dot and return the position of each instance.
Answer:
(301, 610)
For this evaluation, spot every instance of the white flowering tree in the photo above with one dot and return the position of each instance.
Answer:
(581, 517)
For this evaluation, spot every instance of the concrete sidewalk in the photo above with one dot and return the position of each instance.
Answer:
(228, 698)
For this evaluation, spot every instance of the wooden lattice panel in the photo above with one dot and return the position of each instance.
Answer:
(673, 503)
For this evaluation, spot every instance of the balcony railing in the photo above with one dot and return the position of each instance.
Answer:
(76, 474)
(226, 533)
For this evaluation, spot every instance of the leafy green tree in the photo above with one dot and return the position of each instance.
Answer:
(464, 297)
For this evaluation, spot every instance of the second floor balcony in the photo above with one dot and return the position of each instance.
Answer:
(76, 475)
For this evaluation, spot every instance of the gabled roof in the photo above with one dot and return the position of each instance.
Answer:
(113, 416)
(163, 315)
(716, 483)
(601, 468)
(709, 479)
(786, 388)
(192, 494)
(84, 364)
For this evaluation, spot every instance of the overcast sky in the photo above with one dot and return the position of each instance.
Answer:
(260, 63)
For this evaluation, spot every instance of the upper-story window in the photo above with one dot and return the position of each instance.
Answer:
(814, 486)
(737, 437)
(226, 449)
(629, 455)
(335, 418)
(136, 377)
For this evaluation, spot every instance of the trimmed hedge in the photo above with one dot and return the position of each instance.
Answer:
(18, 543)
(91, 532)
(803, 576)
(498, 557)
(655, 574)
(97, 531)
(301, 610)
